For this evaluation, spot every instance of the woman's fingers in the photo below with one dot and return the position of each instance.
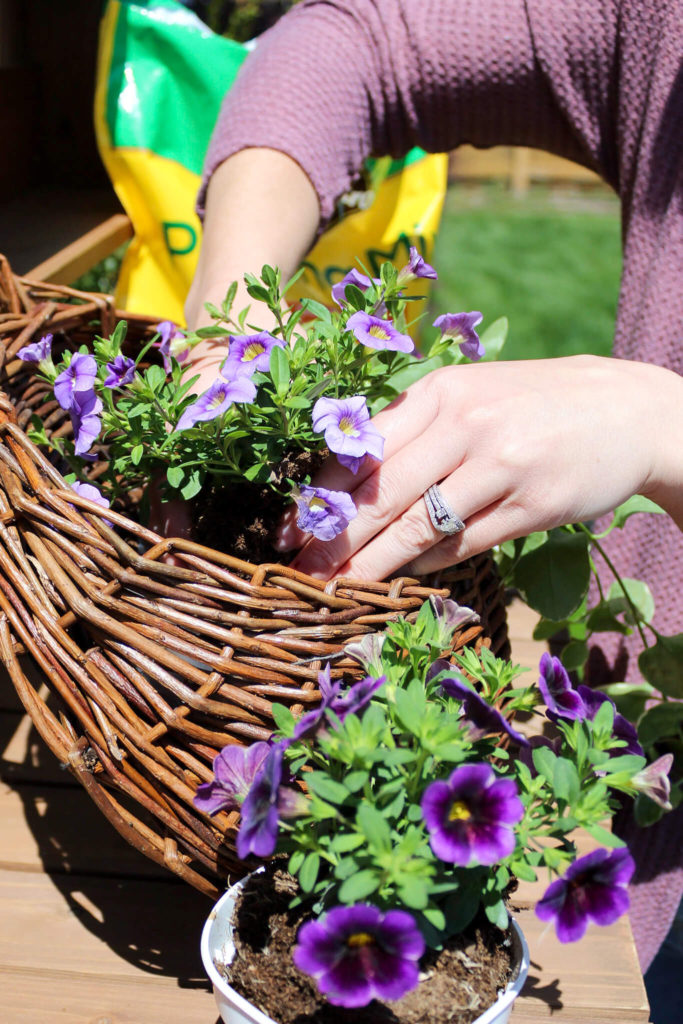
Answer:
(412, 540)
(389, 491)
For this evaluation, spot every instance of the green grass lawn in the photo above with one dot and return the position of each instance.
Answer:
(549, 262)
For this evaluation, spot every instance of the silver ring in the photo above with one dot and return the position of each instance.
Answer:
(441, 514)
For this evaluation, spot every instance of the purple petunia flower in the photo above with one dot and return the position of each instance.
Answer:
(121, 372)
(85, 418)
(260, 816)
(368, 651)
(470, 816)
(90, 492)
(377, 333)
(172, 344)
(416, 267)
(342, 704)
(77, 379)
(592, 889)
(361, 281)
(345, 422)
(460, 327)
(324, 513)
(39, 352)
(357, 954)
(622, 729)
(234, 770)
(484, 718)
(557, 690)
(217, 400)
(449, 617)
(653, 781)
(249, 353)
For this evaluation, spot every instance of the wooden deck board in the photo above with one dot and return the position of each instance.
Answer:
(118, 939)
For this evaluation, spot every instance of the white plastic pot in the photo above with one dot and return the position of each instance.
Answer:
(217, 947)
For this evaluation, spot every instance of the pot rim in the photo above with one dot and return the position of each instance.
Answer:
(504, 1000)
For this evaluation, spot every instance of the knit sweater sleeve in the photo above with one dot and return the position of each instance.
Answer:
(336, 81)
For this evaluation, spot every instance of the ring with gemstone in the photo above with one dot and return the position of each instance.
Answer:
(441, 514)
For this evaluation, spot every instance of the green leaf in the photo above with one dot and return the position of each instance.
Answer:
(136, 454)
(566, 780)
(346, 842)
(544, 762)
(374, 827)
(602, 619)
(493, 339)
(497, 914)
(522, 870)
(554, 577)
(193, 485)
(660, 722)
(295, 861)
(640, 595)
(175, 475)
(155, 377)
(662, 665)
(279, 370)
(284, 719)
(358, 886)
(414, 892)
(308, 872)
(326, 788)
(319, 311)
(645, 811)
(604, 836)
(461, 907)
(637, 503)
(630, 698)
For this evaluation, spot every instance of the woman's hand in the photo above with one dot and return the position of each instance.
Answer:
(514, 447)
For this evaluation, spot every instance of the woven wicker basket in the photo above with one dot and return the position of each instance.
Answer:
(135, 671)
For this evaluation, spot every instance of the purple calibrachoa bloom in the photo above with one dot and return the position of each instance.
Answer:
(345, 422)
(173, 343)
(377, 333)
(351, 702)
(653, 781)
(90, 492)
(85, 418)
(592, 889)
(470, 816)
(322, 512)
(308, 724)
(121, 372)
(622, 729)
(249, 353)
(77, 379)
(234, 770)
(357, 954)
(416, 267)
(460, 327)
(217, 400)
(260, 815)
(361, 281)
(39, 352)
(485, 718)
(557, 690)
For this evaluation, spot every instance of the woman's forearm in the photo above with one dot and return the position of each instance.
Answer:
(260, 208)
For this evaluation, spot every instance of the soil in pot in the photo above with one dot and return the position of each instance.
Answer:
(461, 981)
(242, 518)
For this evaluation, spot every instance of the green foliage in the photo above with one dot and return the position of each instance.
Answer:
(363, 835)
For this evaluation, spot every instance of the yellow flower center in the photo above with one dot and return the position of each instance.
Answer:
(217, 400)
(359, 939)
(347, 426)
(253, 350)
(459, 811)
(379, 332)
(317, 502)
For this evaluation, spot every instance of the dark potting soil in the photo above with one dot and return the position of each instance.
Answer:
(458, 984)
(241, 518)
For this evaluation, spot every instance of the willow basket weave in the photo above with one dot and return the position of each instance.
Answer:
(135, 671)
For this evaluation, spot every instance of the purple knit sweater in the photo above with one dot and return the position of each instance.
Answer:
(597, 81)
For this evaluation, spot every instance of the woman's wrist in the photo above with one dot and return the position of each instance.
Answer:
(665, 482)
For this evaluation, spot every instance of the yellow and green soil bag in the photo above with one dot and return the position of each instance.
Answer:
(161, 78)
